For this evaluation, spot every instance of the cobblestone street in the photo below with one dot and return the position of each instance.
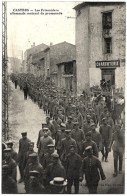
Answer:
(24, 115)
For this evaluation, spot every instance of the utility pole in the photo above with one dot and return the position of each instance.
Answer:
(4, 73)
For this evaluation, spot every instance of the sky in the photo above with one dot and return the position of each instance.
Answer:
(23, 30)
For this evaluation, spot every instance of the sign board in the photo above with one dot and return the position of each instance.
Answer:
(103, 64)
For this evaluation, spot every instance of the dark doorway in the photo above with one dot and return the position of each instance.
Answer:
(109, 74)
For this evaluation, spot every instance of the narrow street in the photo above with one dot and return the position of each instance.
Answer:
(24, 115)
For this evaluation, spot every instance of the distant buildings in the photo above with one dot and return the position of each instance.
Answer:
(100, 43)
(54, 61)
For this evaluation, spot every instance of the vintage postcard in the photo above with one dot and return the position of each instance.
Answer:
(63, 97)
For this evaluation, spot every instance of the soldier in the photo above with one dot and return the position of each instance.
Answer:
(78, 135)
(103, 114)
(61, 116)
(89, 142)
(87, 123)
(69, 124)
(35, 187)
(55, 169)
(106, 135)
(23, 148)
(79, 118)
(59, 136)
(30, 151)
(92, 168)
(50, 127)
(95, 136)
(33, 165)
(73, 170)
(25, 89)
(14, 154)
(43, 145)
(110, 121)
(12, 171)
(118, 145)
(41, 133)
(9, 185)
(56, 122)
(48, 156)
(65, 144)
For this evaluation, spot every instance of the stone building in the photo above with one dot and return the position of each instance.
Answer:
(28, 55)
(45, 63)
(100, 43)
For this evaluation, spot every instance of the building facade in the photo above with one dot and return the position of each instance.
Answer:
(100, 44)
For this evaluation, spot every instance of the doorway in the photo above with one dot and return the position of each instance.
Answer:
(109, 74)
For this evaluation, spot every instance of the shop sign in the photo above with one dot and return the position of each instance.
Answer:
(115, 63)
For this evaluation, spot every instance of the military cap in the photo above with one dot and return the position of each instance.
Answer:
(45, 129)
(92, 124)
(34, 173)
(33, 155)
(75, 123)
(88, 148)
(48, 116)
(73, 106)
(55, 155)
(104, 119)
(69, 117)
(88, 133)
(88, 116)
(63, 125)
(59, 109)
(9, 142)
(24, 133)
(51, 146)
(68, 130)
(7, 150)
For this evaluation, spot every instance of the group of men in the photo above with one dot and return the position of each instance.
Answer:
(75, 131)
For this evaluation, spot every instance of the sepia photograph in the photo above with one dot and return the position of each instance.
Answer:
(63, 97)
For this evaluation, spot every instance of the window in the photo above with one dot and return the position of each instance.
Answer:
(108, 45)
(107, 20)
(68, 68)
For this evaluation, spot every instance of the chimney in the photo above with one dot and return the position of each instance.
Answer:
(51, 43)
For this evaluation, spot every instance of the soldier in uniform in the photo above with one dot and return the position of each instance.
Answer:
(30, 151)
(50, 127)
(61, 116)
(92, 168)
(87, 124)
(33, 165)
(43, 145)
(35, 187)
(106, 135)
(118, 145)
(12, 170)
(14, 154)
(23, 148)
(73, 170)
(69, 124)
(48, 156)
(41, 133)
(95, 136)
(89, 142)
(55, 169)
(9, 185)
(65, 145)
(78, 135)
(59, 136)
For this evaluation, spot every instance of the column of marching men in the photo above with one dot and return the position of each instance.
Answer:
(68, 143)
